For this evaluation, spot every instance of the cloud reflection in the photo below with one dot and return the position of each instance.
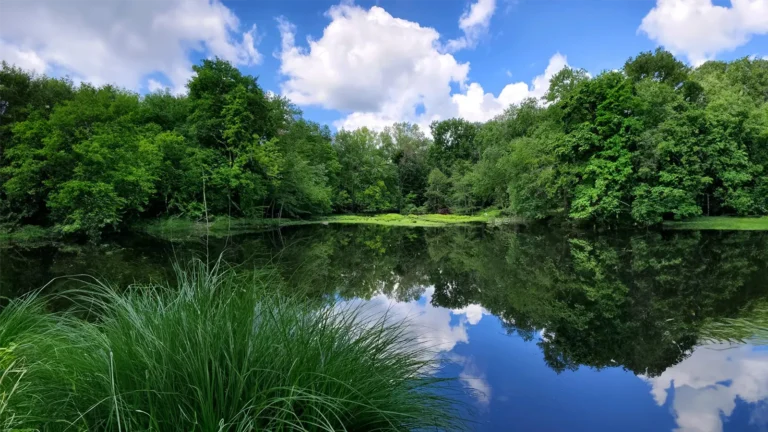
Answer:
(707, 384)
(436, 328)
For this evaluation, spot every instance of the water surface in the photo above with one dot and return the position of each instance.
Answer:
(546, 330)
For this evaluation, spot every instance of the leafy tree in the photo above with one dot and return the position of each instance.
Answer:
(408, 147)
(438, 190)
(660, 66)
(453, 140)
(367, 179)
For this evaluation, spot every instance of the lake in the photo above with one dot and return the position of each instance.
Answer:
(545, 330)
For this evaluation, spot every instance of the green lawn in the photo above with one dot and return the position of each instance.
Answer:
(723, 223)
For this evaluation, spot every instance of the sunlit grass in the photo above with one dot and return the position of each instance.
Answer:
(178, 228)
(219, 351)
(723, 223)
(395, 219)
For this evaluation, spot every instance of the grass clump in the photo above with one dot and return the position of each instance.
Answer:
(723, 223)
(218, 352)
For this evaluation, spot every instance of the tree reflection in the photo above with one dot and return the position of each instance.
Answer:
(631, 300)
(635, 300)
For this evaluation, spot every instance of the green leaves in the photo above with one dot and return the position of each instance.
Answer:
(83, 206)
(654, 141)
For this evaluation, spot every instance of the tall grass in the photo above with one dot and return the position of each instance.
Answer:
(217, 352)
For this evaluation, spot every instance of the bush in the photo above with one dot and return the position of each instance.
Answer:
(219, 352)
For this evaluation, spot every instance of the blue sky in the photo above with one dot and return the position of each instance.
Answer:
(373, 62)
(523, 35)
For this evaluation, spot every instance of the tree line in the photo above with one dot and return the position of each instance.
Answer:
(656, 140)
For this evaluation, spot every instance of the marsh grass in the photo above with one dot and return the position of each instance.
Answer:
(219, 351)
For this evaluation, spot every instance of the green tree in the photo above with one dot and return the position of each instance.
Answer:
(367, 178)
(438, 190)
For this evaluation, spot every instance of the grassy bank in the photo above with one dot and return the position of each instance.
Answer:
(428, 220)
(722, 223)
(219, 351)
(175, 228)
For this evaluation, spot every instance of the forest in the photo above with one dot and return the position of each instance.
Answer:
(657, 140)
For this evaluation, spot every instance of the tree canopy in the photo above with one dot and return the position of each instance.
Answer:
(653, 141)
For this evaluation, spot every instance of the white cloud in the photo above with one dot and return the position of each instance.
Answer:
(473, 312)
(369, 62)
(378, 69)
(707, 384)
(700, 30)
(476, 105)
(154, 86)
(122, 41)
(474, 23)
(23, 58)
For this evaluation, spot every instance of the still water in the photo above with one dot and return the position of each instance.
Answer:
(547, 331)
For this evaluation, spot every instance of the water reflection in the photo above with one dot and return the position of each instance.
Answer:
(551, 330)
(706, 386)
(436, 328)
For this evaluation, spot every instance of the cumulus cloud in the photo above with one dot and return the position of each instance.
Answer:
(367, 61)
(474, 23)
(707, 384)
(700, 30)
(476, 105)
(122, 41)
(378, 70)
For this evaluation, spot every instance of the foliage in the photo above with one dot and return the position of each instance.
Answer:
(653, 142)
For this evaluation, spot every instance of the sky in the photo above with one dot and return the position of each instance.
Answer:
(372, 62)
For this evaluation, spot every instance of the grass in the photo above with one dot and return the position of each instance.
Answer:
(26, 233)
(723, 223)
(219, 351)
(428, 220)
(176, 228)
(752, 326)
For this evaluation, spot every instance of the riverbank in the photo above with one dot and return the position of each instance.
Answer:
(720, 223)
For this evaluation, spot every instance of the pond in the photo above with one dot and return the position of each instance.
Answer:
(546, 330)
